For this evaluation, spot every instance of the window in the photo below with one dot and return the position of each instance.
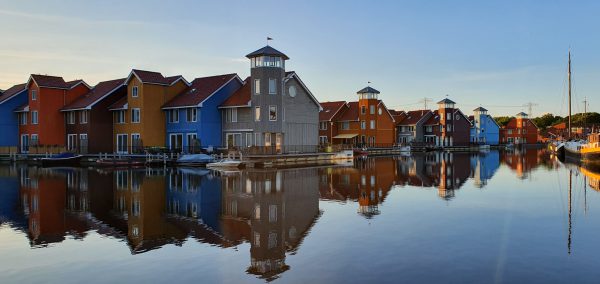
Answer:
(380, 111)
(268, 139)
(272, 113)
(449, 127)
(172, 116)
(34, 117)
(323, 125)
(192, 140)
(457, 117)
(372, 109)
(248, 139)
(429, 128)
(83, 117)
(33, 95)
(524, 131)
(510, 131)
(134, 91)
(192, 114)
(23, 118)
(135, 115)
(372, 126)
(345, 125)
(272, 86)
(363, 110)
(231, 115)
(323, 140)
(34, 140)
(257, 114)
(120, 117)
(257, 139)
(272, 213)
(70, 117)
(257, 211)
(257, 86)
(363, 125)
(449, 116)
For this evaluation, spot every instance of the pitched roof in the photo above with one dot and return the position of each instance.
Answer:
(241, 97)
(434, 119)
(414, 116)
(119, 105)
(521, 114)
(54, 82)
(367, 90)
(480, 109)
(351, 114)
(330, 109)
(292, 74)
(398, 115)
(151, 77)
(23, 108)
(269, 51)
(11, 92)
(446, 101)
(99, 92)
(200, 90)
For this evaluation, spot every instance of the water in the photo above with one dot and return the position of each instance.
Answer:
(446, 218)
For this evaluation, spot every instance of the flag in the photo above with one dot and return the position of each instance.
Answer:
(269, 38)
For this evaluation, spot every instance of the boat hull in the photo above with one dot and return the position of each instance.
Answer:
(61, 162)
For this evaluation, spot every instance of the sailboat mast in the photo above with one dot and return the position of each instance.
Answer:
(570, 211)
(569, 76)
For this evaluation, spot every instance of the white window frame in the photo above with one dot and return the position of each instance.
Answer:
(23, 118)
(120, 114)
(173, 116)
(323, 125)
(257, 86)
(83, 117)
(189, 139)
(71, 117)
(193, 112)
(273, 84)
(249, 142)
(268, 139)
(257, 113)
(257, 139)
(34, 137)
(34, 117)
(135, 92)
(372, 109)
(372, 124)
(71, 141)
(122, 151)
(270, 108)
(139, 116)
(231, 115)
(363, 124)
(34, 95)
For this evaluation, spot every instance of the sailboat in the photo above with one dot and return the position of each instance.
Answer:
(572, 147)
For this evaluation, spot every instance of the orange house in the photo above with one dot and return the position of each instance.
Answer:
(367, 122)
(138, 118)
(41, 123)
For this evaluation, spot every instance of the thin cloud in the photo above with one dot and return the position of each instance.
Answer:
(71, 19)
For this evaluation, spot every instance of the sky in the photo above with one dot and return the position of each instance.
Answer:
(496, 54)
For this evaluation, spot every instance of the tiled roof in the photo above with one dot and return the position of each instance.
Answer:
(99, 91)
(480, 109)
(12, 91)
(23, 108)
(74, 83)
(412, 117)
(329, 110)
(172, 79)
(269, 51)
(50, 81)
(241, 97)
(434, 119)
(351, 114)
(399, 116)
(368, 90)
(446, 101)
(200, 90)
(120, 104)
(151, 77)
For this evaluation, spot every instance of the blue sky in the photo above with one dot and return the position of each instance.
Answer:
(498, 54)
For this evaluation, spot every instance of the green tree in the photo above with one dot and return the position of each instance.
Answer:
(502, 120)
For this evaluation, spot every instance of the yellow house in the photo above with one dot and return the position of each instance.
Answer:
(138, 120)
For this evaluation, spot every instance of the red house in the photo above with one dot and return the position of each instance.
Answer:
(328, 128)
(519, 130)
(42, 125)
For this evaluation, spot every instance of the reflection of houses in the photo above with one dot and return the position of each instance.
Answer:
(273, 210)
(9, 198)
(483, 167)
(368, 183)
(521, 161)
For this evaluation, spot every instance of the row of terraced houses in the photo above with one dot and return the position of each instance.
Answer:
(271, 111)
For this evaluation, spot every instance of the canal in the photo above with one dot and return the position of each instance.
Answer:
(496, 217)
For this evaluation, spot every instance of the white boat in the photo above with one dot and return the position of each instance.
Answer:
(225, 164)
(573, 148)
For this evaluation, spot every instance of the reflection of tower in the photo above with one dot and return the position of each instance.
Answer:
(446, 186)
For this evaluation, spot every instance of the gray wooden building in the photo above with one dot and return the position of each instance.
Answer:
(274, 111)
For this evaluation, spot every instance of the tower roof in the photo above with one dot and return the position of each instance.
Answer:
(269, 51)
(368, 90)
(480, 109)
(446, 101)
(521, 114)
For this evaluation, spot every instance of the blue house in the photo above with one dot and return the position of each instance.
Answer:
(484, 129)
(484, 166)
(193, 118)
(10, 100)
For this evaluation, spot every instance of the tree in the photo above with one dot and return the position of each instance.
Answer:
(546, 120)
(502, 120)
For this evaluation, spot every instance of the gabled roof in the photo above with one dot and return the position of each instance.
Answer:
(74, 83)
(241, 97)
(268, 51)
(119, 105)
(414, 116)
(351, 114)
(387, 110)
(200, 90)
(12, 92)
(368, 90)
(54, 82)
(480, 109)
(461, 113)
(23, 108)
(446, 101)
(434, 119)
(399, 116)
(292, 74)
(330, 109)
(156, 78)
(521, 114)
(95, 95)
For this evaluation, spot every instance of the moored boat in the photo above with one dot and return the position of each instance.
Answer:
(119, 163)
(61, 160)
(590, 152)
(195, 160)
(226, 164)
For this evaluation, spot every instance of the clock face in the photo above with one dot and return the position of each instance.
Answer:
(292, 91)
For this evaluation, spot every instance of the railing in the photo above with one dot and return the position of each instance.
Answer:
(274, 150)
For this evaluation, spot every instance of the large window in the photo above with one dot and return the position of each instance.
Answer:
(135, 115)
(266, 61)
(34, 140)
(372, 124)
(272, 86)
(23, 118)
(257, 113)
(257, 86)
(83, 117)
(34, 117)
(70, 117)
(249, 139)
(345, 125)
(272, 113)
(120, 117)
(173, 116)
(192, 114)
(122, 143)
(323, 125)
(231, 115)
(372, 109)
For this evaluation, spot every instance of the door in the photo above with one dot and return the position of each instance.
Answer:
(192, 142)
(176, 141)
(71, 142)
(278, 142)
(25, 143)
(122, 143)
(230, 140)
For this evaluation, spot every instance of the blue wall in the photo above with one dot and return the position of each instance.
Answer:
(9, 122)
(10, 210)
(208, 126)
(491, 131)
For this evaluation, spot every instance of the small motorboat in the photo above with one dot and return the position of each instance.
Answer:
(61, 160)
(119, 163)
(226, 164)
(361, 151)
(195, 160)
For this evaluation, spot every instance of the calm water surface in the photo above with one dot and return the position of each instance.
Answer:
(498, 217)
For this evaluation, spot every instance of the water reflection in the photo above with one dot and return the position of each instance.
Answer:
(271, 210)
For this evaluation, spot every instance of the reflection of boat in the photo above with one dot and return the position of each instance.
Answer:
(61, 160)
(119, 163)
(225, 164)
(590, 152)
(195, 160)
(360, 151)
